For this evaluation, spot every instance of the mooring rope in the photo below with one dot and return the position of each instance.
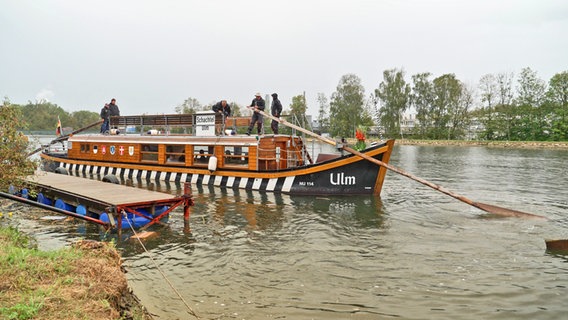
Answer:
(158, 268)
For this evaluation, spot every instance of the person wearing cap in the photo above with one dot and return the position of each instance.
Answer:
(257, 104)
(275, 110)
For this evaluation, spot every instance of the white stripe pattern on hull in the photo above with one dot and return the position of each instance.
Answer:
(255, 183)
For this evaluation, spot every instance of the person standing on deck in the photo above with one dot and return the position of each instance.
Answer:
(114, 111)
(275, 110)
(105, 114)
(225, 110)
(256, 104)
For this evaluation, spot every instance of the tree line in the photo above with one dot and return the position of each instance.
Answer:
(422, 107)
(443, 107)
(497, 109)
(43, 115)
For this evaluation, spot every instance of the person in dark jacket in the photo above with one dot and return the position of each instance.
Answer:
(256, 104)
(114, 111)
(224, 109)
(275, 110)
(113, 108)
(105, 114)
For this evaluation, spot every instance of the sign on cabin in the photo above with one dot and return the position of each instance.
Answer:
(205, 123)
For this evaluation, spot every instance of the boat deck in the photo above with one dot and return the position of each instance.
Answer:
(110, 193)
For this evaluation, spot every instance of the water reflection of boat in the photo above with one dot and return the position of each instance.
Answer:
(274, 163)
(364, 211)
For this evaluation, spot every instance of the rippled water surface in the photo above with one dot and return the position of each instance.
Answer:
(413, 253)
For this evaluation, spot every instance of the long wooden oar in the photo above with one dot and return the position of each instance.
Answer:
(65, 137)
(483, 206)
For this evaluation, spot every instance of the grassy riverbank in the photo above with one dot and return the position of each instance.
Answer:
(84, 281)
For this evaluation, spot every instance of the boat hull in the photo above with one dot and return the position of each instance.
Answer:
(348, 174)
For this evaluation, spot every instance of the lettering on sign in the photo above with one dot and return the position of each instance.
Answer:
(209, 119)
(205, 125)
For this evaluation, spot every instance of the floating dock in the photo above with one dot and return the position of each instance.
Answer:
(105, 203)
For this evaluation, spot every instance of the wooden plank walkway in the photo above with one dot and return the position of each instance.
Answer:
(114, 194)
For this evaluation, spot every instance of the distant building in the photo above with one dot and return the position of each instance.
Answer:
(408, 122)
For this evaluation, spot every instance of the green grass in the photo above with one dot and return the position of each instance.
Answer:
(22, 311)
(71, 282)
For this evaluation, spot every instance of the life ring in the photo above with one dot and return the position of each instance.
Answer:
(61, 170)
(111, 178)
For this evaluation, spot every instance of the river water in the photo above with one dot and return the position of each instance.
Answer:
(413, 253)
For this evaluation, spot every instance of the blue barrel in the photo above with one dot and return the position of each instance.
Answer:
(64, 206)
(136, 221)
(43, 199)
(104, 217)
(158, 210)
(81, 209)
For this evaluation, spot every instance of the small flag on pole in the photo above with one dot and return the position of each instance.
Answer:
(58, 130)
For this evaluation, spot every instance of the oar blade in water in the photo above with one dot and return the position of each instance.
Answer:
(506, 212)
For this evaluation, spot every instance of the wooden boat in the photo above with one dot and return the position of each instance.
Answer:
(161, 151)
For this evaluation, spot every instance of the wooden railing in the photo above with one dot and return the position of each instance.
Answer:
(175, 120)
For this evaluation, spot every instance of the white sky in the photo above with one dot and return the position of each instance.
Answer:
(152, 55)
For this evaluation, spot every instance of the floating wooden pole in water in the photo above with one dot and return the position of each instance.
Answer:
(144, 235)
(557, 245)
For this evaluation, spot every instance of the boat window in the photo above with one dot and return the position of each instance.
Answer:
(85, 148)
(201, 154)
(236, 155)
(175, 154)
(149, 152)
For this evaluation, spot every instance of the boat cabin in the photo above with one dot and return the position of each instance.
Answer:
(160, 142)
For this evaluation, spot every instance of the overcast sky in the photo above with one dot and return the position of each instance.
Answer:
(152, 55)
